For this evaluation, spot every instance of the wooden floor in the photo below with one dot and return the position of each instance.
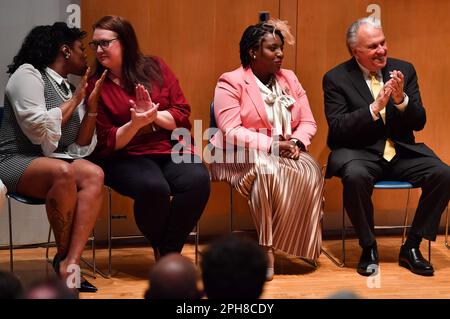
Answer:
(293, 279)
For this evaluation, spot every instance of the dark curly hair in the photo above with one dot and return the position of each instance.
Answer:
(252, 38)
(41, 46)
(136, 67)
(234, 267)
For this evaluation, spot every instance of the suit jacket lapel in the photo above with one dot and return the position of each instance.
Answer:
(284, 85)
(255, 95)
(358, 81)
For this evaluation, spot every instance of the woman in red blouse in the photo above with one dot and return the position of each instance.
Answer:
(140, 105)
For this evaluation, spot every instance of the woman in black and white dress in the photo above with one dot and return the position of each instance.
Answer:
(46, 131)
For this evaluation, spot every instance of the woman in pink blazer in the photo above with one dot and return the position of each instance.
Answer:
(263, 113)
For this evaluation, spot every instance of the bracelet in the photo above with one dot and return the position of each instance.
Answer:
(92, 114)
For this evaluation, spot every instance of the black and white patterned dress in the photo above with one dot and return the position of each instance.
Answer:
(16, 149)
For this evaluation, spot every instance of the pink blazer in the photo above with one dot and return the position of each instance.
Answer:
(240, 111)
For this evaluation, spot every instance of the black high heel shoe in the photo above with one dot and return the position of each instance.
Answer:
(56, 261)
(85, 286)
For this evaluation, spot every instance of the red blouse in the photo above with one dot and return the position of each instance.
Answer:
(114, 111)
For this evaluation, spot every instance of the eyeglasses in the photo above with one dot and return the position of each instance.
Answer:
(104, 44)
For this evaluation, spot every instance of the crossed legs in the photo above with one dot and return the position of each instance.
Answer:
(73, 194)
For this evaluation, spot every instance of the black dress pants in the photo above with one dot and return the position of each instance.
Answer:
(151, 181)
(429, 173)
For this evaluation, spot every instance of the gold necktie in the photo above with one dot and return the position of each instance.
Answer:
(375, 85)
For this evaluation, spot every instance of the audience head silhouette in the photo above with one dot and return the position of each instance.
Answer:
(343, 294)
(174, 277)
(234, 267)
(52, 288)
(10, 286)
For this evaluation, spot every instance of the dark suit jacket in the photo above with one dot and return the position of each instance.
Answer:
(353, 134)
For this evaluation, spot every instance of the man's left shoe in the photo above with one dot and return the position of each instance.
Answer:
(368, 262)
(412, 259)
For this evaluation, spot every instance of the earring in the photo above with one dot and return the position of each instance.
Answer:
(254, 56)
(67, 55)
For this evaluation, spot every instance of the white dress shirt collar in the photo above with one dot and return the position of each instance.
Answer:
(57, 78)
(366, 73)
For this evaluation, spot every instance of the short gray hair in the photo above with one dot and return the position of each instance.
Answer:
(354, 27)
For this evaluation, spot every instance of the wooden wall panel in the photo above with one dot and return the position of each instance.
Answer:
(199, 39)
(416, 31)
(288, 12)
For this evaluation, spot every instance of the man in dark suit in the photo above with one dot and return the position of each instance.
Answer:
(373, 105)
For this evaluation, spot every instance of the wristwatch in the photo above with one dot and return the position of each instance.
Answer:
(300, 145)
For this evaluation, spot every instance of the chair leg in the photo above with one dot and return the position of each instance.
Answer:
(109, 231)
(93, 265)
(312, 263)
(344, 230)
(11, 259)
(231, 208)
(323, 250)
(47, 257)
(405, 222)
(446, 232)
(197, 235)
(93, 253)
(336, 262)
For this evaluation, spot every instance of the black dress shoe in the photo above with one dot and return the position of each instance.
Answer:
(86, 286)
(412, 259)
(368, 262)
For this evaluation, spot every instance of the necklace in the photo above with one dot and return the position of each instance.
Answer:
(64, 95)
(270, 83)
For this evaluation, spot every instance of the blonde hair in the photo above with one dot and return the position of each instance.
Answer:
(284, 28)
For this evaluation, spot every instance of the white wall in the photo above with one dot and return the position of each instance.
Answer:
(17, 18)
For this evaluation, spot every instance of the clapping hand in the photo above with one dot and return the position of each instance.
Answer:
(92, 103)
(141, 119)
(382, 99)
(396, 83)
(80, 91)
(143, 101)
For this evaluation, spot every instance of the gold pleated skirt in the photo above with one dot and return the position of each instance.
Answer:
(285, 197)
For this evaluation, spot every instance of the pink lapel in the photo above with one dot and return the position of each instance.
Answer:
(283, 83)
(255, 95)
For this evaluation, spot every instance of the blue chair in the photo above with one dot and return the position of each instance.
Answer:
(386, 185)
